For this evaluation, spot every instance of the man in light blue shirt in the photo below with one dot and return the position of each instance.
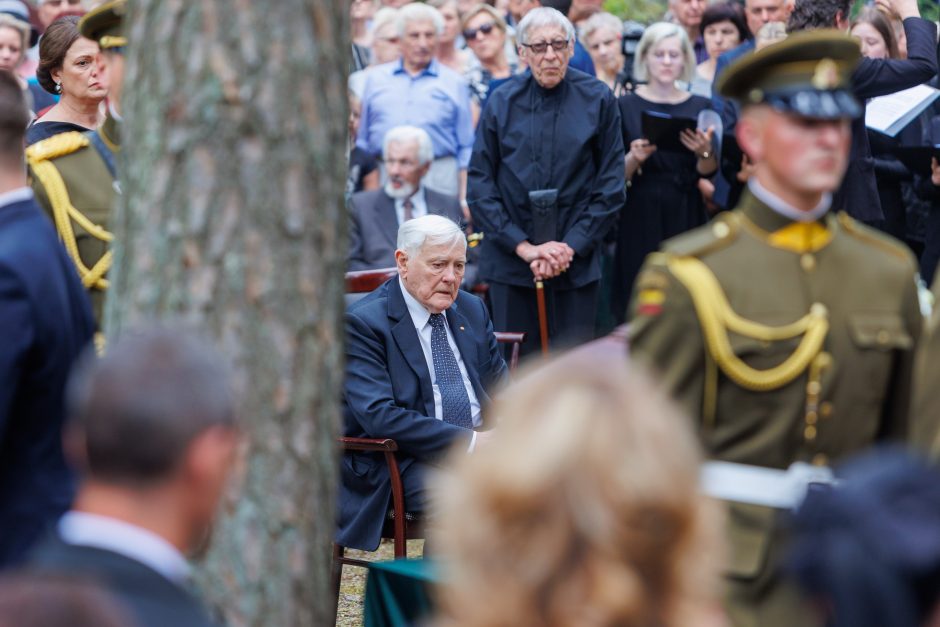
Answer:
(418, 91)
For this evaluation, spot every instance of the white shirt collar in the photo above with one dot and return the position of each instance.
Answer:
(111, 534)
(419, 315)
(20, 194)
(785, 209)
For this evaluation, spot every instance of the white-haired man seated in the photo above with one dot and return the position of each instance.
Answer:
(374, 216)
(421, 364)
(418, 90)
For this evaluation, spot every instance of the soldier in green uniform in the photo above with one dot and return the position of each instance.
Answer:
(73, 174)
(787, 331)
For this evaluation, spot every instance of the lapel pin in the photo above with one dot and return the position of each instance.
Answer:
(461, 328)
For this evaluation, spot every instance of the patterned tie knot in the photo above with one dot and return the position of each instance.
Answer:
(437, 321)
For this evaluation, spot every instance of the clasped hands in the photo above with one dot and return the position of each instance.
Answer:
(546, 260)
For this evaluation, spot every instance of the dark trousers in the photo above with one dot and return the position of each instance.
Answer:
(571, 313)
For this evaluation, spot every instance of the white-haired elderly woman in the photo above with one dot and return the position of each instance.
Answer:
(602, 35)
(663, 199)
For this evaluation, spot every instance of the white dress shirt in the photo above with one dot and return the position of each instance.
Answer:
(419, 206)
(786, 209)
(421, 319)
(123, 538)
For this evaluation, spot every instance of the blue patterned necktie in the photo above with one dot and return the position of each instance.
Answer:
(455, 404)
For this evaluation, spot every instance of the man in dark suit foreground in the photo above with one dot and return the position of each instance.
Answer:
(375, 215)
(153, 432)
(45, 322)
(421, 363)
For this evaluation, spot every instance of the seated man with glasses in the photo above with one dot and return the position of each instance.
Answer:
(546, 181)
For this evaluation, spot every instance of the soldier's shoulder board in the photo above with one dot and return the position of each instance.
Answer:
(720, 232)
(56, 146)
(875, 238)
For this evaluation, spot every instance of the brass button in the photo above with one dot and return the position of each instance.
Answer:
(882, 337)
(809, 433)
(808, 262)
(818, 309)
(813, 388)
(811, 417)
(721, 230)
(820, 460)
(825, 409)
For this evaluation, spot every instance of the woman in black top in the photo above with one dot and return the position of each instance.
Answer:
(663, 199)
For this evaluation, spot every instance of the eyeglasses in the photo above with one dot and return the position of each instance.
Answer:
(542, 47)
(471, 33)
(58, 3)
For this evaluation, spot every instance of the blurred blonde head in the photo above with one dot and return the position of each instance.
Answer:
(582, 510)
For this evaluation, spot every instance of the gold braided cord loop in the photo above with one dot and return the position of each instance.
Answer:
(63, 214)
(717, 318)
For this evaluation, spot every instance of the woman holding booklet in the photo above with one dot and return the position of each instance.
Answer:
(663, 198)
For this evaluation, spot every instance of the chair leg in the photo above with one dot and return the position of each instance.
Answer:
(336, 576)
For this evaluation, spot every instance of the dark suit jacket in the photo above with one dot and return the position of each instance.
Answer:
(45, 322)
(388, 394)
(727, 187)
(373, 226)
(148, 597)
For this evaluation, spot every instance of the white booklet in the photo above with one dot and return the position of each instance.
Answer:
(889, 114)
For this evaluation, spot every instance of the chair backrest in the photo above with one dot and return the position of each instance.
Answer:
(364, 281)
(514, 338)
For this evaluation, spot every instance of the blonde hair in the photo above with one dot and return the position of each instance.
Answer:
(654, 34)
(583, 509)
(21, 27)
(484, 8)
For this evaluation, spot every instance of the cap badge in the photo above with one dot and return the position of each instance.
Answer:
(826, 75)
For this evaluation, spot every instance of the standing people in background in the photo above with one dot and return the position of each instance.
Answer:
(68, 67)
(360, 16)
(688, 15)
(152, 429)
(858, 195)
(447, 52)
(15, 24)
(663, 198)
(546, 180)
(417, 90)
(723, 28)
(375, 216)
(14, 41)
(362, 168)
(603, 36)
(45, 322)
(49, 10)
(876, 37)
(757, 13)
(75, 172)
(582, 10)
(384, 49)
(484, 30)
(788, 331)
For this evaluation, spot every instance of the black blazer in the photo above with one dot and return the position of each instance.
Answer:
(858, 195)
(148, 597)
(373, 226)
(45, 322)
(387, 393)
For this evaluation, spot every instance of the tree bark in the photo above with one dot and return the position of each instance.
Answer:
(232, 220)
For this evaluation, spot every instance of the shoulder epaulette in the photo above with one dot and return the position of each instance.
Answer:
(721, 232)
(56, 146)
(870, 236)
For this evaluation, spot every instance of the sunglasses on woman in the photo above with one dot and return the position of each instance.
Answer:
(471, 33)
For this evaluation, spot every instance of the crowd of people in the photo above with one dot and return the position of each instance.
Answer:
(701, 194)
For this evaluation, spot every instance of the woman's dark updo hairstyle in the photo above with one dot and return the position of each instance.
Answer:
(53, 46)
(726, 12)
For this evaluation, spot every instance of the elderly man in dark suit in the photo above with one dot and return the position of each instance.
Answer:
(376, 215)
(152, 429)
(421, 363)
(45, 322)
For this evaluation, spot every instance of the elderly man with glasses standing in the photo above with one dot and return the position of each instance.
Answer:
(546, 180)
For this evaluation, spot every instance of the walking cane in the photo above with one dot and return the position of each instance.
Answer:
(543, 317)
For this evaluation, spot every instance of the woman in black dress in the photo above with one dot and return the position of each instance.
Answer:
(663, 199)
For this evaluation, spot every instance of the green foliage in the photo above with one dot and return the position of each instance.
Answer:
(929, 9)
(644, 11)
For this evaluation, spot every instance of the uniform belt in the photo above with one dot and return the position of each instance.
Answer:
(757, 485)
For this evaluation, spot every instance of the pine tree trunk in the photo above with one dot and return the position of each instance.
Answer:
(232, 220)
